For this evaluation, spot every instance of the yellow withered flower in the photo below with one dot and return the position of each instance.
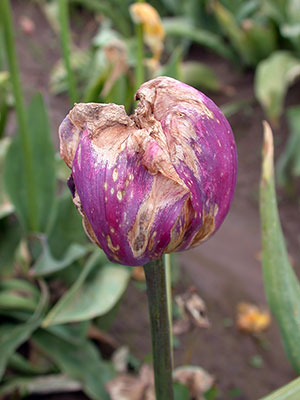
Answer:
(153, 30)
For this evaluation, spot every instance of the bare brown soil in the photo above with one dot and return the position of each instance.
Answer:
(226, 269)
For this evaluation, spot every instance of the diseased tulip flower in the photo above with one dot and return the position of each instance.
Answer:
(158, 181)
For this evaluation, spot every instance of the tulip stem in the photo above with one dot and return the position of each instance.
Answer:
(169, 300)
(159, 321)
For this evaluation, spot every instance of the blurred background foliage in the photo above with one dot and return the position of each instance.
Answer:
(56, 291)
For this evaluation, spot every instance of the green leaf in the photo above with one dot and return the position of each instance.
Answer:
(13, 301)
(43, 166)
(61, 234)
(281, 284)
(172, 67)
(81, 362)
(10, 235)
(234, 107)
(20, 364)
(18, 294)
(200, 76)
(47, 264)
(96, 291)
(272, 78)
(288, 166)
(179, 27)
(291, 391)
(13, 335)
(252, 40)
(181, 392)
(6, 207)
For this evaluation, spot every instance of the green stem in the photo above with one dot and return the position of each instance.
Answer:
(5, 12)
(139, 71)
(65, 46)
(159, 320)
(169, 300)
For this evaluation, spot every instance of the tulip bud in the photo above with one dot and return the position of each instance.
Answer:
(158, 181)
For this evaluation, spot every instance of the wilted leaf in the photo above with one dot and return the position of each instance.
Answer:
(197, 380)
(80, 362)
(272, 78)
(130, 387)
(44, 179)
(193, 312)
(96, 291)
(281, 284)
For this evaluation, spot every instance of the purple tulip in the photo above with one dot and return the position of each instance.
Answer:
(158, 181)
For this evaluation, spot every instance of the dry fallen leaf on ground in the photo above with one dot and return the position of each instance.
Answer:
(193, 312)
(130, 387)
(251, 318)
(197, 380)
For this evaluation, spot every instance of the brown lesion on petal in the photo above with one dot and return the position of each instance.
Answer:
(178, 232)
(85, 222)
(164, 192)
(89, 230)
(139, 234)
(206, 230)
(165, 99)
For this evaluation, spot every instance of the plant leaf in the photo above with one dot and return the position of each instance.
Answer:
(13, 335)
(47, 264)
(200, 76)
(172, 67)
(81, 362)
(291, 391)
(6, 207)
(273, 76)
(96, 291)
(43, 166)
(281, 284)
(253, 41)
(288, 166)
(181, 28)
(10, 235)
(61, 234)
(19, 363)
(39, 385)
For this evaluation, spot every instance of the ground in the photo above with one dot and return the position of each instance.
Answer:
(226, 269)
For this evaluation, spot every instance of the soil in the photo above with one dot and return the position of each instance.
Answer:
(226, 270)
